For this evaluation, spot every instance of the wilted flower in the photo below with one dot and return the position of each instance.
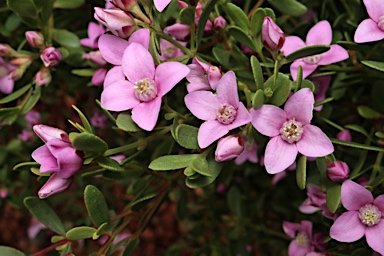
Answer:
(272, 36)
(50, 56)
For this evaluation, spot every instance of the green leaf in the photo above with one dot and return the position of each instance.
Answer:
(290, 7)
(28, 164)
(187, 15)
(89, 143)
(45, 7)
(238, 16)
(12, 22)
(109, 164)
(24, 8)
(256, 22)
(333, 197)
(44, 213)
(379, 135)
(257, 72)
(65, 38)
(357, 128)
(321, 164)
(79, 233)
(203, 20)
(281, 93)
(130, 247)
(258, 99)
(374, 64)
(241, 37)
(221, 55)
(356, 145)
(100, 230)
(172, 162)
(301, 172)
(9, 251)
(198, 181)
(84, 120)
(200, 165)
(307, 84)
(68, 4)
(124, 122)
(96, 206)
(31, 100)
(270, 13)
(307, 51)
(367, 112)
(15, 95)
(186, 136)
(189, 171)
(234, 200)
(88, 72)
(142, 201)
(9, 115)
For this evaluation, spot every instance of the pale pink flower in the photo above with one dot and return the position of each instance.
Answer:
(221, 112)
(321, 33)
(228, 148)
(249, 153)
(302, 237)
(50, 56)
(6, 82)
(145, 87)
(34, 228)
(161, 4)
(94, 32)
(178, 30)
(202, 76)
(291, 131)
(363, 217)
(371, 29)
(169, 50)
(99, 76)
(119, 22)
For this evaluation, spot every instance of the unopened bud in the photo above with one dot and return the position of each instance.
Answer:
(50, 56)
(54, 185)
(229, 148)
(35, 39)
(337, 171)
(6, 50)
(220, 23)
(344, 135)
(119, 22)
(43, 77)
(272, 36)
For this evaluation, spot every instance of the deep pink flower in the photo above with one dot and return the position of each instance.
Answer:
(54, 185)
(337, 171)
(371, 29)
(344, 135)
(272, 36)
(50, 56)
(291, 131)
(35, 39)
(321, 33)
(221, 112)
(228, 148)
(202, 76)
(57, 155)
(169, 50)
(145, 87)
(119, 22)
(249, 153)
(6, 82)
(94, 32)
(302, 235)
(220, 23)
(363, 217)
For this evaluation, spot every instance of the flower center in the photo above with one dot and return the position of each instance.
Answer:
(170, 52)
(226, 113)
(145, 89)
(312, 60)
(369, 215)
(3, 71)
(291, 131)
(381, 23)
(302, 239)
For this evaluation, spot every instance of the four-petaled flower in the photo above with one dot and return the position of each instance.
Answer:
(221, 112)
(371, 29)
(291, 131)
(321, 33)
(364, 217)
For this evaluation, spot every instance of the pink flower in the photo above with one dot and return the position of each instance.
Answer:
(57, 155)
(25, 135)
(99, 76)
(363, 217)
(291, 131)
(119, 22)
(249, 153)
(50, 56)
(316, 201)
(145, 87)
(170, 51)
(321, 33)
(94, 32)
(99, 120)
(54, 185)
(228, 148)
(6, 82)
(43, 77)
(221, 112)
(33, 117)
(371, 29)
(35, 39)
(95, 57)
(161, 4)
(220, 23)
(178, 30)
(302, 235)
(272, 36)
(344, 135)
(202, 76)
(337, 171)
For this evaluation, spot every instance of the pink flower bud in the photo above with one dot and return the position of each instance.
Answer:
(3, 192)
(125, 5)
(47, 133)
(272, 36)
(182, 4)
(33, 117)
(344, 135)
(43, 77)
(229, 148)
(54, 185)
(178, 31)
(21, 61)
(220, 23)
(337, 171)
(95, 57)
(119, 22)
(35, 39)
(6, 50)
(214, 75)
(50, 56)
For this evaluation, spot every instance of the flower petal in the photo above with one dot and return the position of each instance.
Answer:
(47, 133)
(321, 33)
(300, 106)
(292, 44)
(69, 163)
(294, 249)
(374, 235)
(112, 48)
(379, 202)
(354, 196)
(6, 84)
(375, 9)
(279, 155)
(291, 228)
(43, 156)
(335, 54)
(268, 120)
(54, 185)
(226, 89)
(314, 142)
(119, 96)
(113, 75)
(140, 36)
(368, 31)
(146, 113)
(307, 68)
(211, 131)
(138, 63)
(168, 74)
(55, 146)
(202, 104)
(161, 4)
(347, 227)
